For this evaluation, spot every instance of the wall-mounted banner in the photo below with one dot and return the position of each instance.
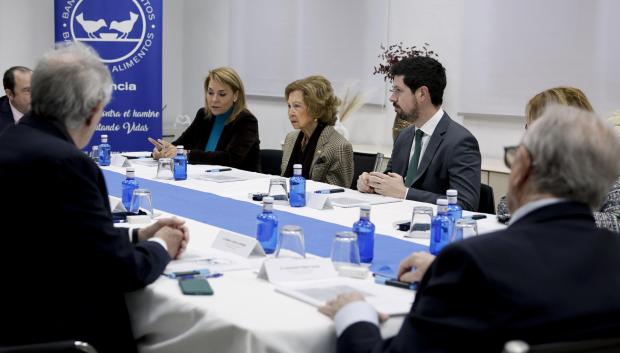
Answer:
(127, 35)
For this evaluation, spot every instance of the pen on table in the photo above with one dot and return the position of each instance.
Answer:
(395, 283)
(212, 275)
(218, 170)
(328, 191)
(181, 274)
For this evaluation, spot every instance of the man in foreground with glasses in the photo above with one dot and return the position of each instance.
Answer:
(435, 153)
(532, 281)
(69, 266)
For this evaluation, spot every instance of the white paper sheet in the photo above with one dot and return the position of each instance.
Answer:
(389, 300)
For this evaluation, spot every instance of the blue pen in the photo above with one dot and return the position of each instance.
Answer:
(212, 275)
(189, 274)
(329, 191)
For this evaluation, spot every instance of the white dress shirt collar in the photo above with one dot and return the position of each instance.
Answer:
(16, 113)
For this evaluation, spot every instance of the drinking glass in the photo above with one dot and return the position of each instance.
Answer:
(141, 200)
(420, 225)
(345, 250)
(278, 189)
(165, 169)
(463, 229)
(378, 163)
(291, 242)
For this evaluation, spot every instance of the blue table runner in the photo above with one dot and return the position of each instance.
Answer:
(239, 216)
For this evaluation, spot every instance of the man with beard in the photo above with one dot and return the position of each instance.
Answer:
(435, 153)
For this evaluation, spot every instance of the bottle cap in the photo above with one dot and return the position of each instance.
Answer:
(95, 147)
(267, 199)
(442, 202)
(130, 169)
(179, 147)
(365, 207)
(452, 192)
(104, 138)
(296, 166)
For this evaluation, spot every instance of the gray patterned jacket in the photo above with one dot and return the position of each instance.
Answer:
(608, 217)
(333, 158)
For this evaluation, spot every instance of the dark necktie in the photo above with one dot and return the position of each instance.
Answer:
(412, 171)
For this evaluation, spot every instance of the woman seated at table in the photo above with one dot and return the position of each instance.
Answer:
(224, 132)
(325, 155)
(608, 216)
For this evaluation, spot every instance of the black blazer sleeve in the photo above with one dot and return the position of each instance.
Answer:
(112, 256)
(449, 311)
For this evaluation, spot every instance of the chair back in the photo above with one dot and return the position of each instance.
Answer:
(270, 161)
(601, 345)
(362, 162)
(487, 201)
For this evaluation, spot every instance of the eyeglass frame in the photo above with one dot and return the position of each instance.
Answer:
(510, 154)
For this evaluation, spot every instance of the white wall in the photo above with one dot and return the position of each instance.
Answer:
(196, 39)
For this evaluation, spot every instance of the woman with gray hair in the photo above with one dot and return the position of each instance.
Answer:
(325, 155)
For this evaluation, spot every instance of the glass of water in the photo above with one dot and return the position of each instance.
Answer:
(141, 200)
(463, 229)
(345, 249)
(420, 225)
(278, 189)
(165, 169)
(291, 242)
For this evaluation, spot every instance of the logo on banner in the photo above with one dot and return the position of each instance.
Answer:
(122, 34)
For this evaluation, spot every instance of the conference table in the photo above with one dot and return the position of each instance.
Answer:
(247, 314)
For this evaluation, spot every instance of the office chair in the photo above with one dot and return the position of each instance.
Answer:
(51, 347)
(363, 162)
(270, 161)
(487, 202)
(602, 345)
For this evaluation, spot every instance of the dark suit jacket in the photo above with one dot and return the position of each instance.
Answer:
(451, 161)
(238, 146)
(67, 267)
(6, 114)
(550, 276)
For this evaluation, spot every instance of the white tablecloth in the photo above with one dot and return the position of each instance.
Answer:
(245, 314)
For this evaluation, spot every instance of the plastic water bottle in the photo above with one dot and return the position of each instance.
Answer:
(365, 231)
(129, 185)
(298, 187)
(267, 226)
(104, 151)
(180, 164)
(455, 212)
(440, 227)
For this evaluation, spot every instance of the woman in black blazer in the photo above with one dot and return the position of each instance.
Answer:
(224, 132)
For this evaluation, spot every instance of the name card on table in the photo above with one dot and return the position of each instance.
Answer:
(237, 244)
(296, 269)
(318, 201)
(118, 160)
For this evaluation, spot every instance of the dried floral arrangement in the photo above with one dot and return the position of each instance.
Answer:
(395, 53)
